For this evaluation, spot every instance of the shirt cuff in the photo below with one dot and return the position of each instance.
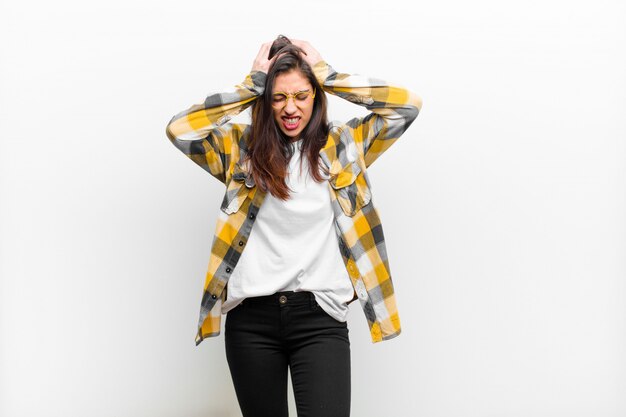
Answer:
(255, 82)
(322, 71)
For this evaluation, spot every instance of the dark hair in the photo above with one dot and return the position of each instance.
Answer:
(269, 149)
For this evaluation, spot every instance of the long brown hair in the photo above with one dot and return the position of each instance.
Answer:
(269, 149)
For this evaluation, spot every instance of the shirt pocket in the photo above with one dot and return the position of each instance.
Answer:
(237, 190)
(351, 188)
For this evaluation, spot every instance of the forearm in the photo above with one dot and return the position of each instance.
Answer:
(197, 131)
(199, 120)
(392, 108)
(374, 94)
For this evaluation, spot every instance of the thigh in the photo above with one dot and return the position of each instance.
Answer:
(257, 362)
(320, 368)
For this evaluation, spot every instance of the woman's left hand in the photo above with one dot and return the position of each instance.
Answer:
(311, 56)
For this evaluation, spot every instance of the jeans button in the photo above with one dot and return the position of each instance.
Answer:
(282, 299)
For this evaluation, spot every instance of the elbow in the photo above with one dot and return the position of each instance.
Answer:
(409, 112)
(418, 103)
(415, 104)
(412, 110)
(170, 130)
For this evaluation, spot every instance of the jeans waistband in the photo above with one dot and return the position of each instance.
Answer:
(284, 298)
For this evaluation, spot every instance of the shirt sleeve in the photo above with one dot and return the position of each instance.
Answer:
(202, 133)
(392, 107)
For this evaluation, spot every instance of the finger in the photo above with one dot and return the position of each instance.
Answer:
(260, 53)
(264, 48)
(268, 48)
(302, 44)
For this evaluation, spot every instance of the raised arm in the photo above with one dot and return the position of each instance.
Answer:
(392, 107)
(201, 132)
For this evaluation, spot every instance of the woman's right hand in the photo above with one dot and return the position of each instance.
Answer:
(261, 63)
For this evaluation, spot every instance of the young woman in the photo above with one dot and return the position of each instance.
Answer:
(297, 237)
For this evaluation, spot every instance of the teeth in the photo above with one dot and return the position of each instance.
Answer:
(292, 121)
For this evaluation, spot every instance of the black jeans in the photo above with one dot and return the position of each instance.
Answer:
(266, 335)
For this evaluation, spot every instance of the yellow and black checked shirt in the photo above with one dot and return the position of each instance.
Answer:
(203, 133)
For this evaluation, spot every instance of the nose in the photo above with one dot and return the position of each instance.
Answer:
(290, 106)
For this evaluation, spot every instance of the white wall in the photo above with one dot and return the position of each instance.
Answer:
(506, 238)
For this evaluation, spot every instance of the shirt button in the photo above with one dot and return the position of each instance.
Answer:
(214, 296)
(251, 216)
(240, 243)
(228, 269)
(282, 299)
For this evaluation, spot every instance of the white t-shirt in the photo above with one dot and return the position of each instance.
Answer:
(293, 247)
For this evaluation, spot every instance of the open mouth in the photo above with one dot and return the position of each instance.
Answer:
(291, 123)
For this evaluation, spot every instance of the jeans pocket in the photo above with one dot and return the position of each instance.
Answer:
(233, 313)
(322, 313)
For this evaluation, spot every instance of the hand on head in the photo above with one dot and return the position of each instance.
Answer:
(263, 63)
(311, 56)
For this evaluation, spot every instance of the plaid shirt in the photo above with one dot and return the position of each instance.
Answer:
(204, 134)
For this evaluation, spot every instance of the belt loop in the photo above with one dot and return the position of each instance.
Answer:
(313, 302)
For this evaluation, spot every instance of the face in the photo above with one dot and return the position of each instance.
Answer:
(293, 113)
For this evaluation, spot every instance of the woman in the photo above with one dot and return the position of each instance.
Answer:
(297, 237)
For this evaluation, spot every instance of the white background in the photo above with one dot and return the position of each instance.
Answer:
(503, 205)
